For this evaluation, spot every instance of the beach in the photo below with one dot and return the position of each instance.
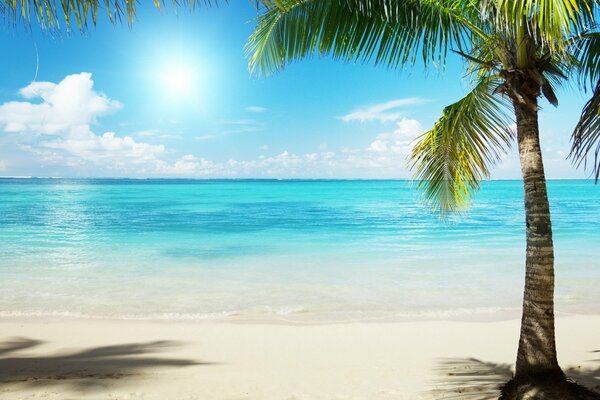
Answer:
(93, 359)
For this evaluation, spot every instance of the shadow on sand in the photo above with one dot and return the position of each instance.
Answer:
(472, 379)
(83, 369)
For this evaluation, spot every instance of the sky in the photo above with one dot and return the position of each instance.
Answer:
(172, 97)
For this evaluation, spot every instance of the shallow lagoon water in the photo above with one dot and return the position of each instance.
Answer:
(281, 250)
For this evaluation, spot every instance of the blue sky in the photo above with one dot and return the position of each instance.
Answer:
(172, 97)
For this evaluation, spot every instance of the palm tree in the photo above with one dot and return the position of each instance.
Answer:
(516, 52)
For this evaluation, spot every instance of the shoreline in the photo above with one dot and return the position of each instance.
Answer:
(101, 359)
(296, 319)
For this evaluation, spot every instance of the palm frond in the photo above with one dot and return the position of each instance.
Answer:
(52, 13)
(390, 32)
(586, 53)
(452, 158)
(549, 22)
(552, 73)
(586, 137)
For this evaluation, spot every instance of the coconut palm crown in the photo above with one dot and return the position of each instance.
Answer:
(516, 52)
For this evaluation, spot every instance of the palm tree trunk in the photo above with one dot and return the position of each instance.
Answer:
(536, 357)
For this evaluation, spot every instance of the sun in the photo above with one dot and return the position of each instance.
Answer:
(179, 79)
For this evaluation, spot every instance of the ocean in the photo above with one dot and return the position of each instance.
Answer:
(289, 251)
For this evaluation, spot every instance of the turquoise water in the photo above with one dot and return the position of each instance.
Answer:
(283, 250)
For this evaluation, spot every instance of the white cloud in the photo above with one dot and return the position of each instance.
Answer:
(146, 133)
(156, 133)
(280, 165)
(383, 112)
(186, 166)
(241, 129)
(240, 126)
(256, 109)
(232, 127)
(398, 141)
(204, 137)
(240, 122)
(107, 147)
(72, 102)
(37, 89)
(58, 128)
(385, 156)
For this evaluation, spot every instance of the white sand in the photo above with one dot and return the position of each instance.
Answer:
(271, 362)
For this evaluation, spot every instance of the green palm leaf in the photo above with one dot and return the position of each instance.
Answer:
(452, 158)
(549, 22)
(586, 137)
(586, 55)
(50, 13)
(386, 32)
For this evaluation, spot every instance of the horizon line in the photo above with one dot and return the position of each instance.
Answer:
(257, 179)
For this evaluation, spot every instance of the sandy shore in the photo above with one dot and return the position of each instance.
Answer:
(89, 359)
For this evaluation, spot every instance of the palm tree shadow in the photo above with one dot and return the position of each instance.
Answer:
(473, 379)
(469, 379)
(81, 370)
(589, 377)
(18, 343)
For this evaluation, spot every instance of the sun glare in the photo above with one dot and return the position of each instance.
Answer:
(179, 80)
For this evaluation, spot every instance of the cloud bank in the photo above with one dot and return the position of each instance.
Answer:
(55, 127)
